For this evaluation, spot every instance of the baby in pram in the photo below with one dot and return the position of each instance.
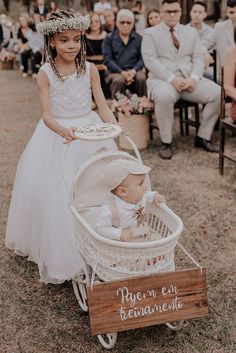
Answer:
(123, 216)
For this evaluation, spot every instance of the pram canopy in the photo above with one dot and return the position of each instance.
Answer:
(112, 259)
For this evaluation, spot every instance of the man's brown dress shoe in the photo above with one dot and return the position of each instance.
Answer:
(206, 145)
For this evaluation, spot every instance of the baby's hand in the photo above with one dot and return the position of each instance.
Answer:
(69, 135)
(158, 199)
(126, 235)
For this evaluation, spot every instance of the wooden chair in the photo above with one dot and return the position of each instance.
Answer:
(226, 123)
(184, 119)
(214, 65)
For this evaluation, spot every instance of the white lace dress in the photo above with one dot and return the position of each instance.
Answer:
(40, 224)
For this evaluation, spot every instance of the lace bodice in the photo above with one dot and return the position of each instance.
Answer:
(69, 98)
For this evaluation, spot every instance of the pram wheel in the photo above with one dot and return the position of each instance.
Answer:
(80, 293)
(175, 326)
(111, 337)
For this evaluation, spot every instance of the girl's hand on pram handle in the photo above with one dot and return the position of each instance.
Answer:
(69, 135)
(126, 235)
(158, 199)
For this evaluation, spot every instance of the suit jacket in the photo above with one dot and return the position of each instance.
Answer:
(222, 37)
(161, 57)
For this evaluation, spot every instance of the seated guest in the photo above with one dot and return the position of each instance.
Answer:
(174, 56)
(222, 36)
(40, 10)
(30, 45)
(52, 8)
(139, 11)
(153, 18)
(8, 43)
(109, 20)
(23, 45)
(198, 13)
(99, 8)
(94, 38)
(122, 56)
(230, 75)
(6, 30)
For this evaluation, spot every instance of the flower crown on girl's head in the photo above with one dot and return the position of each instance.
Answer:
(63, 21)
(55, 25)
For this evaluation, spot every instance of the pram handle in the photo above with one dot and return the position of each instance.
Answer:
(65, 150)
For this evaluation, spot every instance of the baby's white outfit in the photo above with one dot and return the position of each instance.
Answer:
(129, 216)
(40, 223)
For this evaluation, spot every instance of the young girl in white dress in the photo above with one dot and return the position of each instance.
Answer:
(40, 224)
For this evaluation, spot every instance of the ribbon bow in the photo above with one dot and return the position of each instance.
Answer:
(141, 216)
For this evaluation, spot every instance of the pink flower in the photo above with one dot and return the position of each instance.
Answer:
(130, 104)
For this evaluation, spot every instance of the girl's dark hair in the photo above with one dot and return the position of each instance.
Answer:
(50, 53)
(235, 34)
(148, 14)
(91, 17)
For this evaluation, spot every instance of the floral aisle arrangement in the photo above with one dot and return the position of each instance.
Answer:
(132, 112)
(127, 104)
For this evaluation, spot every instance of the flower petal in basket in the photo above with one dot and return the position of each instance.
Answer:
(100, 131)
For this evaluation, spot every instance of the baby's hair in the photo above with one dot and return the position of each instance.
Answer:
(50, 53)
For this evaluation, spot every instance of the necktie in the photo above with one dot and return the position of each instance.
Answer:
(175, 40)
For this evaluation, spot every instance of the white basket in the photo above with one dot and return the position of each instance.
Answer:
(112, 260)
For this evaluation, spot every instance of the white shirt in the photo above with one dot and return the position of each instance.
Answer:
(205, 30)
(127, 216)
(41, 9)
(35, 40)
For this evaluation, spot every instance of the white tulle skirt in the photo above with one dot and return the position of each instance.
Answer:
(40, 224)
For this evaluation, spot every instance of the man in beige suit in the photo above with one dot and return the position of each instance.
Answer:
(222, 36)
(174, 56)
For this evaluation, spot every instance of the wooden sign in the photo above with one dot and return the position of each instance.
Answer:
(145, 301)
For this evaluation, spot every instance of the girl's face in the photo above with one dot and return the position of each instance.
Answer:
(67, 44)
(154, 18)
(95, 23)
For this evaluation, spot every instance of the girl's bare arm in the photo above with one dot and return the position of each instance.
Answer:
(105, 113)
(49, 121)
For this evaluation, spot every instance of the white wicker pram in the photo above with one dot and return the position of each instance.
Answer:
(107, 259)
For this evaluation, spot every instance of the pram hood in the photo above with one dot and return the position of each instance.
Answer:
(89, 193)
